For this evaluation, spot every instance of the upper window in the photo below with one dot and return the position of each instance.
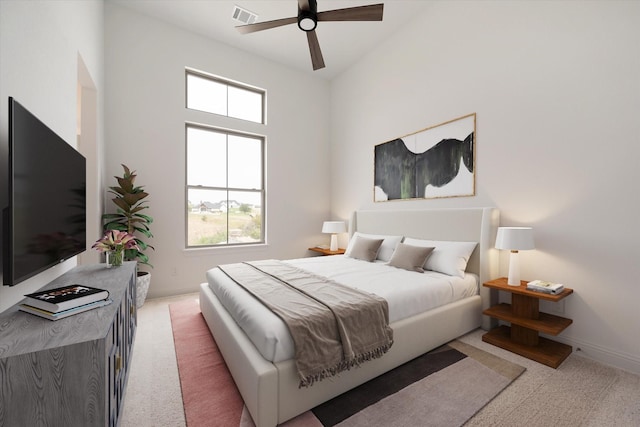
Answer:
(225, 168)
(217, 96)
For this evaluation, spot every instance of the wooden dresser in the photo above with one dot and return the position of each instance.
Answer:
(72, 371)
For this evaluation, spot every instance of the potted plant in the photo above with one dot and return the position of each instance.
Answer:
(129, 218)
(113, 244)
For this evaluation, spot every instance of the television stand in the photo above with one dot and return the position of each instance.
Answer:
(71, 371)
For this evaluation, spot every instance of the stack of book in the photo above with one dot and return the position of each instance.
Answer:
(546, 287)
(54, 304)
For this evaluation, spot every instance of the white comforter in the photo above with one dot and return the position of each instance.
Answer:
(408, 293)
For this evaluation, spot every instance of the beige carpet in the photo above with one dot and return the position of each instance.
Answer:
(580, 392)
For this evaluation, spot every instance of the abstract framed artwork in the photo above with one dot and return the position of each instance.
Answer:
(435, 162)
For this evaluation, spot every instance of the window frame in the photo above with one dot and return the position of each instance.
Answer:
(209, 121)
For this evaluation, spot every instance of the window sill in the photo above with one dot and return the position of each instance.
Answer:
(258, 247)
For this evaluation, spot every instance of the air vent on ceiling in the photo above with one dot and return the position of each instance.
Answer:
(243, 15)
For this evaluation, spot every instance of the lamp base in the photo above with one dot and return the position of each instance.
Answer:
(514, 269)
(334, 242)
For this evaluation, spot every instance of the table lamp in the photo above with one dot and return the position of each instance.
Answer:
(514, 239)
(334, 227)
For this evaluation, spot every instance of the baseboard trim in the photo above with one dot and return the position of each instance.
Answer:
(604, 355)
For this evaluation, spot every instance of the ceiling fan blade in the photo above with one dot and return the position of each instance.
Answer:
(259, 26)
(361, 13)
(314, 49)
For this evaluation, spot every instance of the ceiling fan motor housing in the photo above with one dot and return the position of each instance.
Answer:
(308, 19)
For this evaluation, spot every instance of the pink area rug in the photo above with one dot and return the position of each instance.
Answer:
(444, 387)
(209, 394)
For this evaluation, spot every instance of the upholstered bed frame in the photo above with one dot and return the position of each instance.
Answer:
(270, 390)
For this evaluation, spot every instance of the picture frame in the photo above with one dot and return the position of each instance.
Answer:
(435, 162)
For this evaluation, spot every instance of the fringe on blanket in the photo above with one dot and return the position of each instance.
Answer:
(344, 365)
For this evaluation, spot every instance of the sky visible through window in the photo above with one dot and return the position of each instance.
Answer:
(207, 163)
(214, 97)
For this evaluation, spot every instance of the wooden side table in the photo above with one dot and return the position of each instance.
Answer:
(324, 251)
(526, 323)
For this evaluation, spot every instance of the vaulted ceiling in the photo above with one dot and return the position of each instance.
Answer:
(342, 43)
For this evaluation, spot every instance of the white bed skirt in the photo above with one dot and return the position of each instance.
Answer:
(270, 390)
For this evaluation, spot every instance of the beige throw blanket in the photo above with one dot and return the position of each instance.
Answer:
(334, 327)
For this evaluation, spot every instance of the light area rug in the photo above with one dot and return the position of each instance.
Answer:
(445, 387)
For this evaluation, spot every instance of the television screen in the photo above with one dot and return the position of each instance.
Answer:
(45, 222)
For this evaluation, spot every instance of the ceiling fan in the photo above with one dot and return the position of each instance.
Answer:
(308, 17)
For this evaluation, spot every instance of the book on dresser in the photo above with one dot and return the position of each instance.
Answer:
(65, 297)
(63, 313)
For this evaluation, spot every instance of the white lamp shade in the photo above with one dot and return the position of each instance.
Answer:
(515, 238)
(334, 227)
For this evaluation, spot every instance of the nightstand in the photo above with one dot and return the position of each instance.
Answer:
(323, 251)
(526, 323)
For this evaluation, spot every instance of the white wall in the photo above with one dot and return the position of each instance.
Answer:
(556, 89)
(145, 119)
(554, 84)
(40, 42)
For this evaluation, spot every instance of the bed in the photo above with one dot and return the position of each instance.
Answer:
(270, 389)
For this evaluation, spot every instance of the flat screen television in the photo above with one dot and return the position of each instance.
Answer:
(44, 223)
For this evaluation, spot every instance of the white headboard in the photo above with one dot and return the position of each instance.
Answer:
(466, 224)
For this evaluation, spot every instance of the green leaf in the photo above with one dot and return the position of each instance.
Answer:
(145, 232)
(146, 217)
(116, 226)
(112, 217)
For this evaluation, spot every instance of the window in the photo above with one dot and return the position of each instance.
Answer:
(225, 168)
(214, 95)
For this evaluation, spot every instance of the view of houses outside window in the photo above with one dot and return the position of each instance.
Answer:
(225, 168)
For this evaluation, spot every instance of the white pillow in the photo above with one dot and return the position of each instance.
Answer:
(448, 257)
(386, 250)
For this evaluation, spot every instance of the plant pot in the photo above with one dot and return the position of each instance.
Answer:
(142, 287)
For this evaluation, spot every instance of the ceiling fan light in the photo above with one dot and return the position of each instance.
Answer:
(307, 21)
